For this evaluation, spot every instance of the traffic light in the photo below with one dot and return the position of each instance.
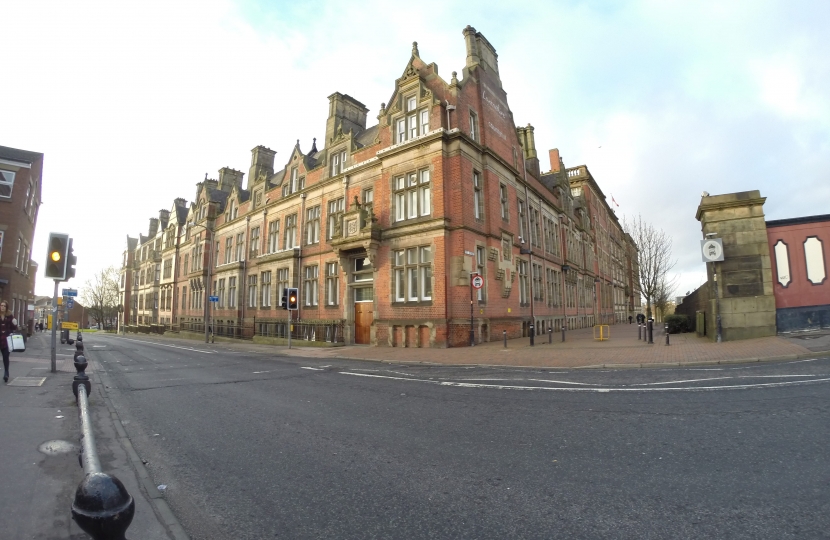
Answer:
(284, 300)
(56, 256)
(292, 299)
(71, 259)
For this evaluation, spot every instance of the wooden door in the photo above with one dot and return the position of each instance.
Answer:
(363, 318)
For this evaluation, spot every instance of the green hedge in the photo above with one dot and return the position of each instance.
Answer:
(678, 323)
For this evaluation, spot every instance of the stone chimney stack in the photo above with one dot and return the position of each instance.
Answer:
(179, 202)
(230, 177)
(481, 53)
(345, 114)
(154, 227)
(164, 217)
(262, 164)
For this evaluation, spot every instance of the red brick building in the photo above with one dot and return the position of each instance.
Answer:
(20, 192)
(800, 259)
(382, 227)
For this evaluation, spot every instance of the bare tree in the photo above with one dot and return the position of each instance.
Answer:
(663, 296)
(655, 259)
(100, 296)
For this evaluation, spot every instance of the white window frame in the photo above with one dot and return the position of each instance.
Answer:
(6, 179)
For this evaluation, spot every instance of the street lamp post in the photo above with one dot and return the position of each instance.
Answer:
(209, 242)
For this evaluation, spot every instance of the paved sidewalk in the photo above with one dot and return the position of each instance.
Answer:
(38, 483)
(581, 350)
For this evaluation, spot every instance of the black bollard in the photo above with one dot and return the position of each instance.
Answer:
(550, 334)
(651, 331)
(532, 334)
(81, 378)
(667, 334)
(563, 333)
(639, 331)
(102, 506)
(504, 335)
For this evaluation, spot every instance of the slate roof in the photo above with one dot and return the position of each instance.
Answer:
(14, 154)
(367, 136)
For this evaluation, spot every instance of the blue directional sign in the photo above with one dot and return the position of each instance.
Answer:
(213, 298)
(70, 303)
(69, 292)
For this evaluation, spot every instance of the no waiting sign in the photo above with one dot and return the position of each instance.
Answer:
(478, 281)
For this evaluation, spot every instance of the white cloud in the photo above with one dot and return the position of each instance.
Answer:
(135, 102)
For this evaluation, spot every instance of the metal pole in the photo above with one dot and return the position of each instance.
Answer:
(550, 334)
(504, 335)
(472, 331)
(54, 328)
(207, 286)
(289, 323)
(667, 334)
(639, 331)
(651, 331)
(532, 333)
(717, 306)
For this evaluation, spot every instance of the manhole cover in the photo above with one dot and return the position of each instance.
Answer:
(27, 381)
(53, 448)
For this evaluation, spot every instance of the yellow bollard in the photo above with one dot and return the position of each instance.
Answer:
(604, 332)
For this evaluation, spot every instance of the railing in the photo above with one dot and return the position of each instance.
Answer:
(331, 332)
(102, 507)
(326, 332)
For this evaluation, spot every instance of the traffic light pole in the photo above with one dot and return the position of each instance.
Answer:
(54, 328)
(289, 327)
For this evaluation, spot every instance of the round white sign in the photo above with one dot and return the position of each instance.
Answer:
(478, 281)
(712, 250)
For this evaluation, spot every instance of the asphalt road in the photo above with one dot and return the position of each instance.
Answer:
(253, 446)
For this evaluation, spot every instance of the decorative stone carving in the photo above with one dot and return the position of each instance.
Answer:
(351, 227)
(493, 254)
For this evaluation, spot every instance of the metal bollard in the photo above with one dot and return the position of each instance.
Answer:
(563, 333)
(667, 334)
(639, 331)
(532, 334)
(103, 508)
(504, 335)
(550, 334)
(651, 331)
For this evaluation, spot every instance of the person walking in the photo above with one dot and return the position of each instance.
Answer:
(8, 324)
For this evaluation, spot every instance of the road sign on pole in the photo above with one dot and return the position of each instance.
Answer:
(69, 292)
(213, 298)
(478, 281)
(70, 303)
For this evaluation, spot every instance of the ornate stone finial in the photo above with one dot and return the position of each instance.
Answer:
(454, 80)
(415, 48)
(382, 108)
(313, 146)
(298, 143)
(206, 176)
(356, 203)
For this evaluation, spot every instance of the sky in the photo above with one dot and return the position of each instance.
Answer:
(133, 102)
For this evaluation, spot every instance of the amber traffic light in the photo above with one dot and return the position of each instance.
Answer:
(56, 256)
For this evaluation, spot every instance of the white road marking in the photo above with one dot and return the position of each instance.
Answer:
(165, 345)
(311, 368)
(598, 390)
(799, 361)
(258, 372)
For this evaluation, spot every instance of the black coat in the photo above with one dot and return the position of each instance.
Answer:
(6, 329)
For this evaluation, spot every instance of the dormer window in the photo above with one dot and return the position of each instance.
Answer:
(338, 162)
(413, 123)
(293, 184)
